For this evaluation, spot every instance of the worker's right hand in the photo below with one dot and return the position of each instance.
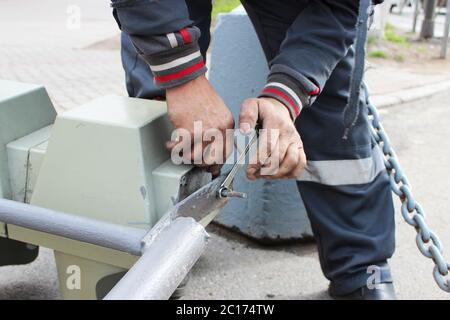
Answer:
(211, 142)
(280, 153)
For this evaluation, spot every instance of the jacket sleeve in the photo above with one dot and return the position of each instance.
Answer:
(317, 40)
(164, 37)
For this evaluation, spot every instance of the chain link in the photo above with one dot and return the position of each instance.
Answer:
(427, 241)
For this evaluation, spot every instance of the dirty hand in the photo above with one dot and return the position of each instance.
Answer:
(280, 152)
(210, 143)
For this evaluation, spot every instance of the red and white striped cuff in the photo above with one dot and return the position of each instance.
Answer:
(179, 38)
(179, 70)
(181, 63)
(285, 95)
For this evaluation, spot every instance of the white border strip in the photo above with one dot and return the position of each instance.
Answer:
(176, 62)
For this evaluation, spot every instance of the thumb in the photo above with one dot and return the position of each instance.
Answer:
(248, 115)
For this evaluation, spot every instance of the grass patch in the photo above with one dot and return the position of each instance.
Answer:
(223, 6)
(421, 49)
(371, 39)
(396, 38)
(399, 58)
(388, 27)
(391, 36)
(379, 54)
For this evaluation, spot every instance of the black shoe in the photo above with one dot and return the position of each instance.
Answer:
(384, 291)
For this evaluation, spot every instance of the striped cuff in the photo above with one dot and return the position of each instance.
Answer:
(178, 65)
(285, 95)
(289, 92)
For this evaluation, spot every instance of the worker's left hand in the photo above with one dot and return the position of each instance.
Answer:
(280, 153)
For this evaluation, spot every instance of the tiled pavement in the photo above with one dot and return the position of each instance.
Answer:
(71, 76)
(38, 45)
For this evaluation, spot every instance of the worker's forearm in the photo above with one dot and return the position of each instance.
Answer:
(164, 36)
(315, 43)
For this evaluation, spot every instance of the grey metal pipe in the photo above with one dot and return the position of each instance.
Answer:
(416, 15)
(446, 32)
(164, 264)
(428, 21)
(104, 234)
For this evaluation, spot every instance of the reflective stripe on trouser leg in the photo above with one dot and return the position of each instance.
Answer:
(345, 188)
(344, 172)
(354, 229)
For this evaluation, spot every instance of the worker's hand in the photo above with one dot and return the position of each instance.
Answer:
(280, 152)
(196, 105)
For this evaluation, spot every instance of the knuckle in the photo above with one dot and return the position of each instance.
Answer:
(229, 123)
(191, 132)
(291, 159)
(248, 103)
(289, 129)
(293, 162)
(303, 163)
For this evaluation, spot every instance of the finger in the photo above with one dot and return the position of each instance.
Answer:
(213, 153)
(176, 151)
(248, 115)
(221, 148)
(267, 144)
(271, 165)
(218, 145)
(180, 152)
(301, 163)
(179, 146)
(289, 163)
(177, 136)
(251, 171)
(197, 152)
(171, 144)
(215, 170)
(229, 144)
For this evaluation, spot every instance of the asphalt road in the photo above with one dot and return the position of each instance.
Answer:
(238, 269)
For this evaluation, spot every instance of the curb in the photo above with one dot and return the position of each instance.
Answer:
(409, 95)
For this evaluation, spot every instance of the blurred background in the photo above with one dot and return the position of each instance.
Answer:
(72, 48)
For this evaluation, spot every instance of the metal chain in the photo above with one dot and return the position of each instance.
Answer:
(427, 241)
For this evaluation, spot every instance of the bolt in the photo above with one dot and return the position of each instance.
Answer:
(226, 193)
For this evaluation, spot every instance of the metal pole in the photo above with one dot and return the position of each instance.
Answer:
(164, 264)
(416, 15)
(402, 6)
(428, 22)
(104, 234)
(446, 32)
